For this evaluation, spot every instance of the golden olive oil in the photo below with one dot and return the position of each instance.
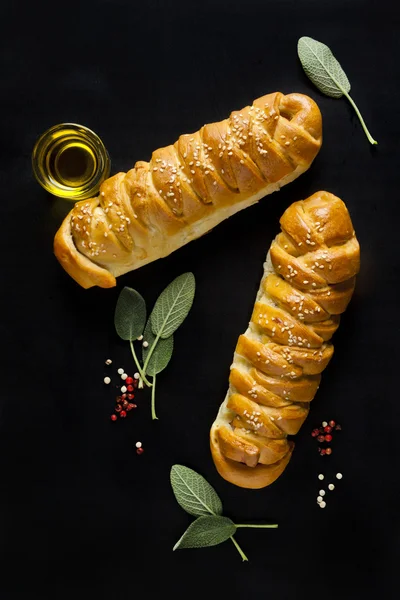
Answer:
(70, 160)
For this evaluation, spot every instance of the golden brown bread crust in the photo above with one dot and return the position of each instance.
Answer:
(188, 188)
(249, 477)
(308, 281)
(83, 270)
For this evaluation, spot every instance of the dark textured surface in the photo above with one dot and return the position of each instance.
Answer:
(80, 513)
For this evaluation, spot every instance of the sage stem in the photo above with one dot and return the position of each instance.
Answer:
(149, 355)
(153, 400)
(141, 372)
(238, 548)
(354, 105)
(258, 526)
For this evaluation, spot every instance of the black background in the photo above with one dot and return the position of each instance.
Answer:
(81, 514)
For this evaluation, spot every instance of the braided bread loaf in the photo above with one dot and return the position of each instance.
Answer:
(309, 278)
(188, 188)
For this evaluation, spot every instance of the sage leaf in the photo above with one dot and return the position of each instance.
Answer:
(193, 493)
(326, 73)
(322, 67)
(130, 314)
(206, 531)
(161, 354)
(173, 305)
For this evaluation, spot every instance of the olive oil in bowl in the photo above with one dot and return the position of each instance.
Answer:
(70, 161)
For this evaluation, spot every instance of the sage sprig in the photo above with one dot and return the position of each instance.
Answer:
(169, 312)
(327, 74)
(198, 498)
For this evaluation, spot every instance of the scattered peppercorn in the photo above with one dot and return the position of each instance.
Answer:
(122, 401)
(324, 435)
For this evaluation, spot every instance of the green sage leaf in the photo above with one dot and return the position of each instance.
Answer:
(130, 314)
(161, 355)
(193, 493)
(327, 74)
(322, 67)
(206, 531)
(173, 305)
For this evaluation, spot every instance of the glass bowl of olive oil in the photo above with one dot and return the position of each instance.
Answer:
(70, 161)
